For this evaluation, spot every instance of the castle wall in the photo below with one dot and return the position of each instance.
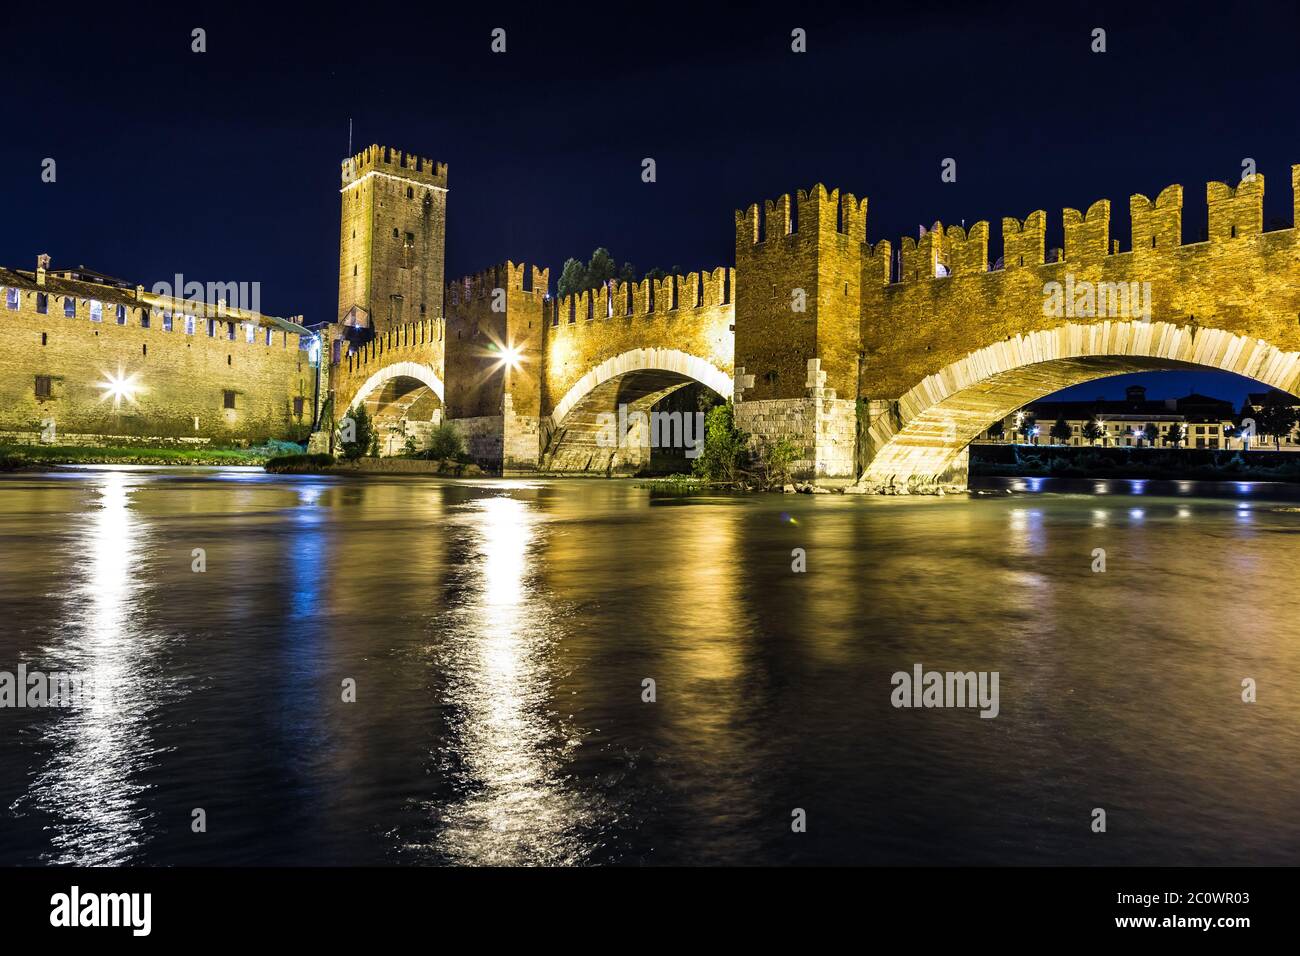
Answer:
(181, 379)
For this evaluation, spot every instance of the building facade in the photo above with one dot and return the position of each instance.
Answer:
(94, 360)
(1194, 421)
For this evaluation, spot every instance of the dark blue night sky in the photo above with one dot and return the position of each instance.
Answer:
(224, 165)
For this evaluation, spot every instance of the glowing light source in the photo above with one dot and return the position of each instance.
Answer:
(119, 387)
(511, 357)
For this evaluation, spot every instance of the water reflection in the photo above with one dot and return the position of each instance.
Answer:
(88, 786)
(499, 633)
(507, 746)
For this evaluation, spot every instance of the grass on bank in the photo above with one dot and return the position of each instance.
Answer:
(16, 457)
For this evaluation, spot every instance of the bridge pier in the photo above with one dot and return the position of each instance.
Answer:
(821, 425)
(509, 443)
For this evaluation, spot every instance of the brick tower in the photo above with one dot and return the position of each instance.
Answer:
(798, 315)
(393, 238)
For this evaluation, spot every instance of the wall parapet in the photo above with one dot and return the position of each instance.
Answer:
(1233, 213)
(695, 293)
(385, 159)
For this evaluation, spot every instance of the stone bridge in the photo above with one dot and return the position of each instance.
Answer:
(880, 365)
(936, 345)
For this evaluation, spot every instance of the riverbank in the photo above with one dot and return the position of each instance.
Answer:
(328, 465)
(24, 457)
(1200, 464)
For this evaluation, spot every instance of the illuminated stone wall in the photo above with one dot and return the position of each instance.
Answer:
(955, 345)
(176, 383)
(494, 363)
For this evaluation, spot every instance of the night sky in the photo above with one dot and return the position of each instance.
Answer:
(224, 165)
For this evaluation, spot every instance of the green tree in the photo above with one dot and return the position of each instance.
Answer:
(1061, 431)
(573, 278)
(601, 269)
(357, 433)
(1093, 431)
(1152, 434)
(725, 451)
(1177, 434)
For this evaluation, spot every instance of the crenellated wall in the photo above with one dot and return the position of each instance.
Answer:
(630, 323)
(922, 332)
(185, 372)
(414, 350)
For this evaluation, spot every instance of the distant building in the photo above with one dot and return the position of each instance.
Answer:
(1194, 421)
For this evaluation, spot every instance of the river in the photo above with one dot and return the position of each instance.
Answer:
(497, 638)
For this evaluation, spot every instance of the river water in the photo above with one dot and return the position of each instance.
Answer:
(499, 634)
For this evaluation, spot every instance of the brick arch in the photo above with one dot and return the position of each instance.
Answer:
(922, 439)
(641, 360)
(415, 370)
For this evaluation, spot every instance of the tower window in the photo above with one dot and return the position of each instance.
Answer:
(144, 318)
(410, 193)
(394, 232)
(69, 307)
(229, 399)
(422, 308)
(11, 298)
(167, 321)
(354, 270)
(45, 338)
(297, 408)
(121, 315)
(410, 239)
(42, 303)
(43, 386)
(96, 310)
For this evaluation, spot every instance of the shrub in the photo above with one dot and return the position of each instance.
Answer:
(445, 443)
(775, 459)
(356, 433)
(298, 464)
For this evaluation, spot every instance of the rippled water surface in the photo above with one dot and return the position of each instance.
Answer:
(499, 634)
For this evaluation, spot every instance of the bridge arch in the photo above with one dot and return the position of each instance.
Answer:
(641, 360)
(921, 440)
(416, 370)
(638, 379)
(404, 398)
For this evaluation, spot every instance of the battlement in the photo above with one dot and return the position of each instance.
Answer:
(393, 162)
(1234, 212)
(817, 211)
(505, 275)
(672, 295)
(416, 338)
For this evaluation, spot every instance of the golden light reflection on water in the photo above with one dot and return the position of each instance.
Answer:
(87, 784)
(516, 808)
